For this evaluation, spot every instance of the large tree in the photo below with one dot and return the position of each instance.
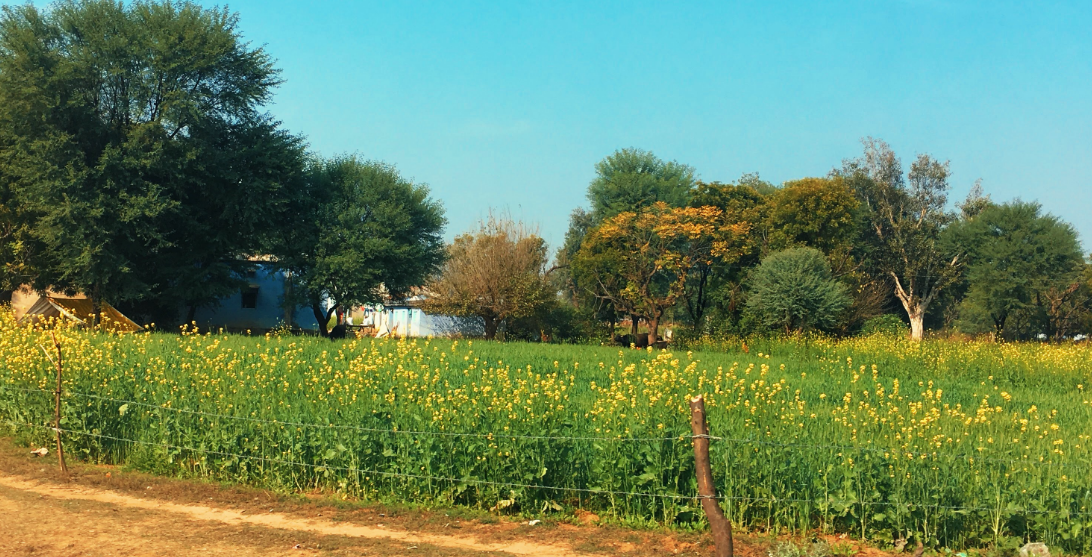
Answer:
(133, 146)
(824, 213)
(1018, 258)
(907, 215)
(630, 180)
(640, 261)
(719, 280)
(814, 212)
(493, 274)
(361, 232)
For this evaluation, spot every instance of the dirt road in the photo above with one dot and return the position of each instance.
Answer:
(48, 519)
(104, 511)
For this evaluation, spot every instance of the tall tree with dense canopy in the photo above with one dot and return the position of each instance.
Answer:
(580, 223)
(133, 146)
(630, 180)
(362, 229)
(794, 290)
(814, 212)
(494, 274)
(1017, 259)
(907, 215)
(719, 280)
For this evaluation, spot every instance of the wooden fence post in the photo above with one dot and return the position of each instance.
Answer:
(720, 526)
(57, 401)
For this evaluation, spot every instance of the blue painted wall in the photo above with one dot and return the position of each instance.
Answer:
(230, 314)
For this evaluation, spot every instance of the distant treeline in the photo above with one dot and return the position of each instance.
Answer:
(138, 166)
(869, 246)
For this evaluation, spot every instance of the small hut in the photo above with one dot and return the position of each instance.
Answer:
(77, 310)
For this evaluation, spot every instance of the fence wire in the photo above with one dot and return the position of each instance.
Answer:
(491, 436)
(588, 491)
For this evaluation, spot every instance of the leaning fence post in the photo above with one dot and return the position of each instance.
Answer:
(57, 404)
(721, 528)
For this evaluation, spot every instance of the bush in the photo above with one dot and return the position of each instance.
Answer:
(556, 321)
(888, 324)
(793, 290)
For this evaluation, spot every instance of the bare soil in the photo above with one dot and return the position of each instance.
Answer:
(105, 510)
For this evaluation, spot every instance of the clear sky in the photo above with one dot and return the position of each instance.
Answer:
(509, 104)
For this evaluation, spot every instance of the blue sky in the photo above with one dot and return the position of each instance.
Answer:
(508, 105)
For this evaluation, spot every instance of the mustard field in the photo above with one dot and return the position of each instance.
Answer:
(963, 444)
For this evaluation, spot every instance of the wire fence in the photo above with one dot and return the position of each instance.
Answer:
(481, 482)
(474, 481)
(513, 436)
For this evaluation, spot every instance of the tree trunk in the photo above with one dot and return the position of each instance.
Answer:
(289, 303)
(96, 305)
(491, 326)
(191, 314)
(917, 322)
(633, 325)
(653, 328)
(999, 326)
(915, 309)
(323, 319)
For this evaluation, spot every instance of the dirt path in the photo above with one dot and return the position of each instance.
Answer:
(98, 522)
(99, 510)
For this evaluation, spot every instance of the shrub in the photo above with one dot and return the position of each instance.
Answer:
(793, 290)
(888, 324)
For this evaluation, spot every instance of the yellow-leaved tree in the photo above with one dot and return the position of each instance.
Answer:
(640, 261)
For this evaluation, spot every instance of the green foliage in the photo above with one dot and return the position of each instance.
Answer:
(559, 322)
(717, 283)
(364, 227)
(793, 290)
(1016, 254)
(813, 212)
(802, 447)
(755, 182)
(640, 262)
(632, 179)
(886, 324)
(575, 289)
(906, 216)
(134, 151)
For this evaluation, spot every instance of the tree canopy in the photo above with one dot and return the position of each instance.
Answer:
(364, 232)
(718, 281)
(815, 212)
(906, 216)
(493, 274)
(640, 261)
(632, 179)
(1016, 257)
(135, 151)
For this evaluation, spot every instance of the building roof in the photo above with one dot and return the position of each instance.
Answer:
(79, 310)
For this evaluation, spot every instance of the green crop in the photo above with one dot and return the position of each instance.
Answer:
(962, 444)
